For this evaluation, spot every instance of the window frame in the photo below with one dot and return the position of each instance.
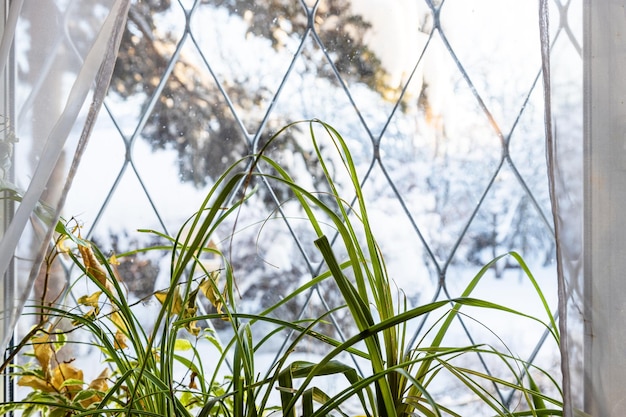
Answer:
(604, 193)
(604, 196)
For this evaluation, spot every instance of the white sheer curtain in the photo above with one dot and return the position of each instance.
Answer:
(564, 164)
(63, 50)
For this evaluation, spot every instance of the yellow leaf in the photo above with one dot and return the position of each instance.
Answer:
(62, 244)
(114, 263)
(98, 384)
(177, 308)
(192, 327)
(177, 305)
(113, 260)
(43, 352)
(65, 372)
(118, 321)
(161, 296)
(92, 265)
(122, 329)
(90, 315)
(192, 381)
(182, 344)
(189, 312)
(36, 383)
(90, 300)
(209, 288)
(120, 340)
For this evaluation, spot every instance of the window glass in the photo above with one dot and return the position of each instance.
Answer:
(440, 103)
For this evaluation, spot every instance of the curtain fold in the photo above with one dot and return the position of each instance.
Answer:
(78, 63)
(564, 169)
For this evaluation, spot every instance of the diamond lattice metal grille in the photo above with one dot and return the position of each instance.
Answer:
(439, 100)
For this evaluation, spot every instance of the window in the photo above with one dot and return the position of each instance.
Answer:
(441, 103)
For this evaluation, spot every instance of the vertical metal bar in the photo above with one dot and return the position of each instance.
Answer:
(605, 199)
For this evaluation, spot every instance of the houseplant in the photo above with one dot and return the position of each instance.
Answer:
(164, 369)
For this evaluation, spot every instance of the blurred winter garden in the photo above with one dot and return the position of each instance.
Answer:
(440, 102)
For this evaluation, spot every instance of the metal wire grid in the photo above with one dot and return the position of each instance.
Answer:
(378, 164)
